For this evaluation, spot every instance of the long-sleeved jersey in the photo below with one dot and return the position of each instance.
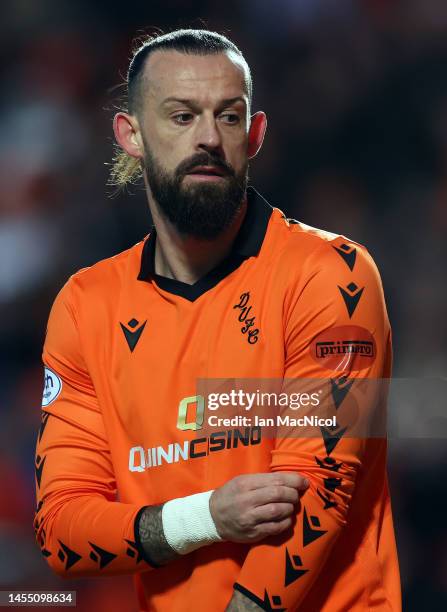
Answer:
(122, 421)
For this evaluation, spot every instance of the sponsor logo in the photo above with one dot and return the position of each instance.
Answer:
(52, 387)
(341, 347)
(141, 459)
(346, 348)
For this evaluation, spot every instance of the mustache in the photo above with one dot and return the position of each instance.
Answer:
(203, 159)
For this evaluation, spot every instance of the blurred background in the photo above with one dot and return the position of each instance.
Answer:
(356, 95)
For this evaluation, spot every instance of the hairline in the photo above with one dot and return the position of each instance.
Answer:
(234, 56)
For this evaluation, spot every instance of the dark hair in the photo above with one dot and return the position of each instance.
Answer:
(126, 169)
(193, 42)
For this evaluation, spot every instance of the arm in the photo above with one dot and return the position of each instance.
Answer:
(152, 536)
(80, 526)
(330, 462)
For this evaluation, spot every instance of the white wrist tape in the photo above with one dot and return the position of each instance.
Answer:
(188, 524)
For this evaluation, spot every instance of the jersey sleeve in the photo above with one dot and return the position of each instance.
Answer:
(80, 527)
(341, 301)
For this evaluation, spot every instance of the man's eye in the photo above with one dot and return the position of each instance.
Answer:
(230, 118)
(183, 118)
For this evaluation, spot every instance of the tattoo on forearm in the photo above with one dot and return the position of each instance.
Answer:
(152, 536)
(240, 603)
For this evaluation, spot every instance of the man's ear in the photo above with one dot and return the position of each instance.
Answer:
(127, 134)
(256, 133)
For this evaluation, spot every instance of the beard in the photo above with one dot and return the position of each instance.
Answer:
(201, 210)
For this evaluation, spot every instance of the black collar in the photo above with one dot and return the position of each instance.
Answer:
(247, 244)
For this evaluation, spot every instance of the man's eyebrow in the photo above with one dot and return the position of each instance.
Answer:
(230, 101)
(194, 105)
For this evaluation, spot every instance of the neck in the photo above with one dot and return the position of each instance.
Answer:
(188, 259)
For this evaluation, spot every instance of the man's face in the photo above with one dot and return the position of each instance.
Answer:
(194, 126)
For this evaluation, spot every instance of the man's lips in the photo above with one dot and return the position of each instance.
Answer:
(209, 171)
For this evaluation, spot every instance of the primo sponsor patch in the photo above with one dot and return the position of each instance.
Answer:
(52, 387)
(347, 348)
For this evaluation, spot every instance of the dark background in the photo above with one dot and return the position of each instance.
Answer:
(356, 95)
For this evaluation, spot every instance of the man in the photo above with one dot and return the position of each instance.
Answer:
(223, 287)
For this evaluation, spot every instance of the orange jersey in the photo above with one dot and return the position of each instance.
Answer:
(123, 353)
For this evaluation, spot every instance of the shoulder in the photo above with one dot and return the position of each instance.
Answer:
(313, 250)
(103, 280)
(328, 277)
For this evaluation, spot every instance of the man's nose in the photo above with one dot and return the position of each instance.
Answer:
(207, 134)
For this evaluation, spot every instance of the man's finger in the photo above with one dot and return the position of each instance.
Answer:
(288, 479)
(272, 493)
(272, 512)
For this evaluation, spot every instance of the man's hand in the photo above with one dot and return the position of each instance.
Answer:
(251, 507)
